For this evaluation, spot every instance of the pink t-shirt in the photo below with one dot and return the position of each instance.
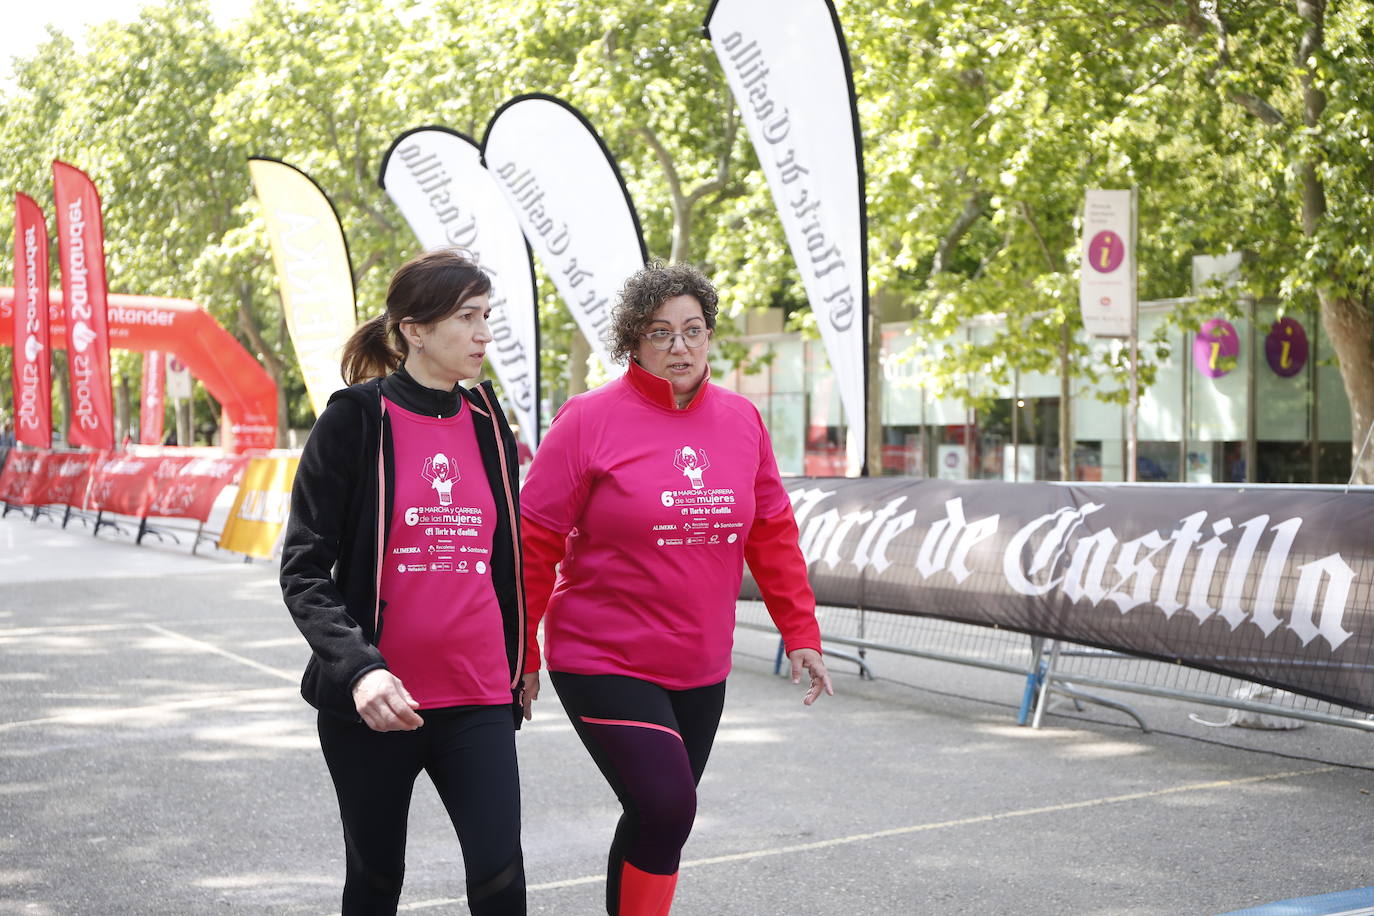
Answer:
(441, 628)
(658, 503)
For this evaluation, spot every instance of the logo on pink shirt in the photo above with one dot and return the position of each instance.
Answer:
(691, 462)
(442, 475)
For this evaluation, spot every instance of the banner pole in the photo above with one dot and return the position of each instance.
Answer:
(1133, 442)
(1355, 468)
(1015, 427)
(1133, 408)
(1251, 394)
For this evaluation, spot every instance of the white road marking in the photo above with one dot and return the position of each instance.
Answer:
(104, 716)
(919, 828)
(62, 630)
(211, 647)
(23, 632)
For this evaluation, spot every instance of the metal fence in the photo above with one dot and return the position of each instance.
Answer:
(1045, 668)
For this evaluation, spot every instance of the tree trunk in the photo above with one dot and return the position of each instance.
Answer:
(682, 201)
(1350, 327)
(1065, 350)
(283, 436)
(874, 423)
(64, 391)
(1348, 322)
(579, 351)
(185, 424)
(122, 411)
(1065, 406)
(682, 230)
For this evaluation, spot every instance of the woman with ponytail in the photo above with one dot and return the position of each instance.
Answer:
(401, 567)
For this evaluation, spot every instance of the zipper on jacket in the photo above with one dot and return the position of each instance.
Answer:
(515, 540)
(381, 522)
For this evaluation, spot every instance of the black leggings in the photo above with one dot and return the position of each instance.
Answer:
(651, 744)
(469, 754)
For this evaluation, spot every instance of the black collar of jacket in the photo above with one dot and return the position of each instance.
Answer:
(402, 389)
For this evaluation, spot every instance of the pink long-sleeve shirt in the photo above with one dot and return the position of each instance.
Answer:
(658, 506)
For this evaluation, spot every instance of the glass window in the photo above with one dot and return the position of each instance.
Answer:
(786, 424)
(1333, 408)
(1157, 461)
(1282, 404)
(1284, 462)
(1097, 428)
(825, 430)
(983, 384)
(1160, 415)
(755, 383)
(902, 395)
(789, 366)
(904, 451)
(1037, 385)
(1220, 359)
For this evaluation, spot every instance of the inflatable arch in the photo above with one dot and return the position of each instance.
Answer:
(181, 327)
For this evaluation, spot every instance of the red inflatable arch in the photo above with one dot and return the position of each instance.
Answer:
(179, 326)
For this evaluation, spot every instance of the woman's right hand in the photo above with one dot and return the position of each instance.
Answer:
(384, 703)
(529, 692)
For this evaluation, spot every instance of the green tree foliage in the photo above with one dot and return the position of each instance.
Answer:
(1245, 125)
(134, 108)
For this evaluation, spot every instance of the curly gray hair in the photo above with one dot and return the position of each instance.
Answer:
(645, 291)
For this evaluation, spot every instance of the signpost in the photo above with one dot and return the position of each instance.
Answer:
(1107, 287)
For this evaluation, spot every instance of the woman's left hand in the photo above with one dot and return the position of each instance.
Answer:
(810, 659)
(529, 692)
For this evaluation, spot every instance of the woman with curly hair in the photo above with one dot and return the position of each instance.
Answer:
(649, 494)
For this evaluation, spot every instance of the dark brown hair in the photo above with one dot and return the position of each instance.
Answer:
(425, 289)
(645, 291)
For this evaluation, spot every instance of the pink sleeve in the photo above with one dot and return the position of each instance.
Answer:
(556, 486)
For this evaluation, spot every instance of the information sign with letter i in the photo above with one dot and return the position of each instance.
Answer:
(1107, 293)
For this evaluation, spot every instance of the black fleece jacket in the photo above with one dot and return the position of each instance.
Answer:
(331, 550)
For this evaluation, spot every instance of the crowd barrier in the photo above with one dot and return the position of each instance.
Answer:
(1251, 597)
(147, 485)
(1256, 598)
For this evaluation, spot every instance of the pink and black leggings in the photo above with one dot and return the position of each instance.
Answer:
(651, 744)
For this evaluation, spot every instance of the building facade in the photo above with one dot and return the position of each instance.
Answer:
(1257, 400)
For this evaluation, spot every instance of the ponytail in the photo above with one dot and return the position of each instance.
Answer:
(369, 354)
(424, 290)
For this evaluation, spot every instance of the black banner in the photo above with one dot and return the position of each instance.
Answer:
(1268, 584)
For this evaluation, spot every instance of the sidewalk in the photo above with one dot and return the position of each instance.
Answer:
(155, 758)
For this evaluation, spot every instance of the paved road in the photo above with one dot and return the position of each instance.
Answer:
(155, 758)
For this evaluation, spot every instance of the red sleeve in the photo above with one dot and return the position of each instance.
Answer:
(780, 571)
(543, 550)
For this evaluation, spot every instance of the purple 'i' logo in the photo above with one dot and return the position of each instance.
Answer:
(1216, 349)
(1286, 347)
(1106, 252)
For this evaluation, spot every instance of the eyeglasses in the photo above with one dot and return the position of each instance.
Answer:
(692, 337)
